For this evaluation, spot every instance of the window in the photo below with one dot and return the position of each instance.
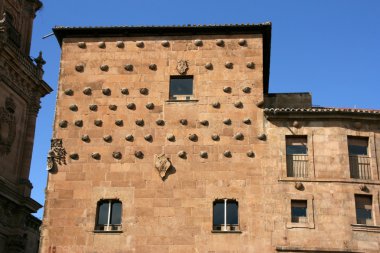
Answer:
(363, 205)
(108, 215)
(299, 211)
(225, 215)
(296, 156)
(181, 88)
(358, 156)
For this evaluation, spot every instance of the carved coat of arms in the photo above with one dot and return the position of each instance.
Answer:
(182, 67)
(162, 164)
(7, 126)
(57, 154)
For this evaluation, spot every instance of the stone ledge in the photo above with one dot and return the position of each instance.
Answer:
(106, 232)
(365, 228)
(329, 180)
(181, 101)
(226, 232)
(314, 249)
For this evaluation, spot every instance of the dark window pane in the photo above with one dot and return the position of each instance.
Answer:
(116, 213)
(232, 212)
(363, 205)
(103, 213)
(181, 86)
(218, 213)
(357, 150)
(299, 149)
(298, 209)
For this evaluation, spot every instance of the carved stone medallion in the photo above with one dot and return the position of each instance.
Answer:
(182, 67)
(162, 164)
(57, 154)
(7, 126)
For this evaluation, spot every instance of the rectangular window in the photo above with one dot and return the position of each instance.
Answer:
(108, 215)
(363, 205)
(358, 157)
(296, 156)
(181, 88)
(225, 215)
(299, 211)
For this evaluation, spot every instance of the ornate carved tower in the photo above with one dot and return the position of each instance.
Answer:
(21, 87)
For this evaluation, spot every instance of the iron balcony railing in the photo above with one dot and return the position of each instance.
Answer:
(297, 165)
(360, 167)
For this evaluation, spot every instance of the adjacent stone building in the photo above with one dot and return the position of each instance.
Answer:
(167, 140)
(21, 87)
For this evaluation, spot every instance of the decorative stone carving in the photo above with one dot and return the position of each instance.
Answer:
(160, 122)
(227, 153)
(107, 138)
(63, 123)
(203, 154)
(242, 42)
(227, 89)
(162, 164)
(296, 124)
(87, 91)
(204, 122)
(104, 67)
(139, 154)
(198, 42)
(131, 106)
(57, 154)
(183, 122)
(96, 155)
(79, 67)
(229, 65)
(182, 67)
(250, 65)
(128, 67)
(140, 122)
(193, 137)
(165, 43)
(7, 121)
(170, 137)
(140, 44)
(82, 44)
(250, 154)
(299, 186)
(74, 156)
(112, 107)
(215, 137)
(363, 188)
(69, 92)
(239, 136)
(238, 104)
(98, 122)
(148, 137)
(119, 44)
(93, 107)
(101, 44)
(220, 42)
(125, 91)
(106, 91)
(209, 66)
(144, 91)
(119, 122)
(117, 155)
(85, 138)
(149, 106)
(247, 121)
(260, 103)
(129, 137)
(246, 89)
(182, 154)
(152, 66)
(227, 121)
(78, 123)
(73, 108)
(216, 104)
(262, 137)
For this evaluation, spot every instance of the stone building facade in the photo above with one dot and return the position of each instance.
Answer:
(21, 87)
(167, 140)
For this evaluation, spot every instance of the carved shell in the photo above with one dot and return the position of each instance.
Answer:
(101, 44)
(227, 153)
(144, 91)
(165, 43)
(129, 137)
(79, 67)
(98, 122)
(250, 65)
(74, 156)
(260, 103)
(296, 124)
(73, 108)
(239, 136)
(116, 155)
(125, 91)
(63, 124)
(229, 65)
(119, 44)
(183, 121)
(131, 106)
(247, 121)
(85, 138)
(93, 107)
(119, 122)
(139, 122)
(160, 122)
(220, 42)
(203, 154)
(140, 44)
(69, 92)
(216, 104)
(246, 89)
(227, 89)
(87, 91)
(250, 154)
(78, 123)
(104, 67)
(112, 107)
(198, 43)
(95, 155)
(208, 66)
(238, 104)
(193, 137)
(262, 137)
(106, 91)
(170, 137)
(139, 154)
(128, 67)
(150, 106)
(227, 121)
(215, 137)
(358, 125)
(299, 186)
(148, 137)
(82, 44)
(242, 42)
(107, 138)
(204, 122)
(152, 66)
(182, 154)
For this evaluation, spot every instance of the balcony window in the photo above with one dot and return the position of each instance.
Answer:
(296, 156)
(225, 215)
(108, 216)
(363, 205)
(358, 157)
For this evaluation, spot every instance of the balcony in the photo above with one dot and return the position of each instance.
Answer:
(360, 167)
(297, 165)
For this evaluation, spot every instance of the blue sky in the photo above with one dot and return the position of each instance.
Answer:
(330, 48)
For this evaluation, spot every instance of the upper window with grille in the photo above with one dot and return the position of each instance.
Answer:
(296, 156)
(358, 157)
(225, 215)
(108, 216)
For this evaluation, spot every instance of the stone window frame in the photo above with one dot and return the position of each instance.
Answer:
(191, 97)
(119, 226)
(212, 216)
(375, 211)
(310, 211)
(310, 147)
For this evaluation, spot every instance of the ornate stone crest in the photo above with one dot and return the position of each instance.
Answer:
(57, 154)
(182, 67)
(7, 126)
(162, 164)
